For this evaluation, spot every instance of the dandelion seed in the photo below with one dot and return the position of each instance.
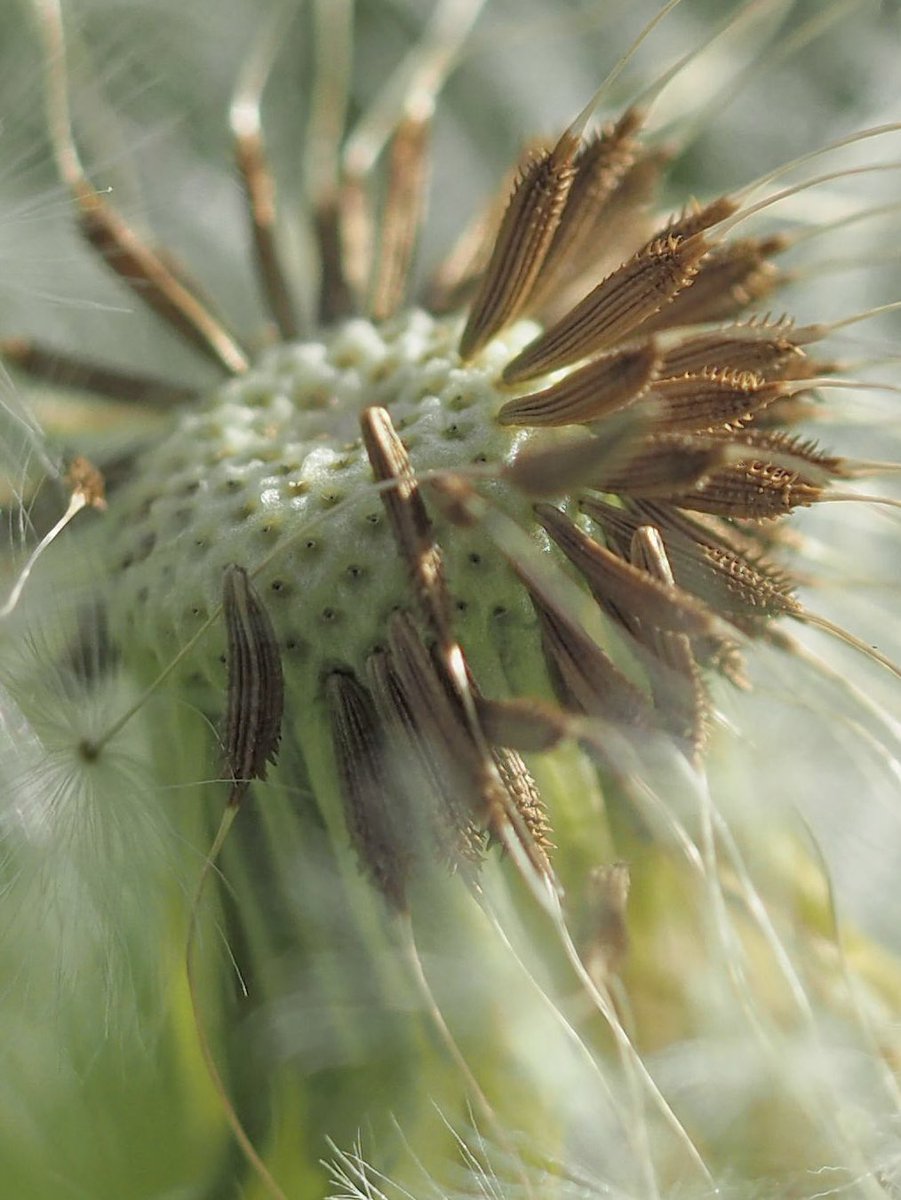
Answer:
(483, 573)
(255, 684)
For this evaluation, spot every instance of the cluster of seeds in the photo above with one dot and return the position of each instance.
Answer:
(605, 396)
(442, 528)
(587, 399)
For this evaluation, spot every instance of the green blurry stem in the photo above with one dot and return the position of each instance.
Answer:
(228, 1108)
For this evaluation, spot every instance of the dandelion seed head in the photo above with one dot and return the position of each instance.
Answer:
(517, 525)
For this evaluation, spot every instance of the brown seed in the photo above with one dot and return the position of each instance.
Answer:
(256, 690)
(601, 164)
(401, 217)
(336, 298)
(751, 490)
(590, 393)
(41, 361)
(422, 770)
(561, 467)
(522, 244)
(377, 823)
(154, 279)
(523, 791)
(617, 306)
(409, 520)
(621, 588)
(584, 677)
(86, 481)
(663, 465)
(606, 941)
(437, 711)
(765, 348)
(624, 225)
(733, 276)
(259, 186)
(680, 696)
(736, 580)
(522, 724)
(438, 702)
(457, 276)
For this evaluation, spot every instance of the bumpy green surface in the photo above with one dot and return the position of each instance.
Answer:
(271, 470)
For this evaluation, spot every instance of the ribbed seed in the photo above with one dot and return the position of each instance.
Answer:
(523, 241)
(378, 825)
(256, 689)
(733, 276)
(617, 306)
(620, 587)
(590, 393)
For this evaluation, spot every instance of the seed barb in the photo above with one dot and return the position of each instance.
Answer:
(735, 579)
(522, 244)
(697, 218)
(256, 689)
(733, 276)
(790, 451)
(714, 397)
